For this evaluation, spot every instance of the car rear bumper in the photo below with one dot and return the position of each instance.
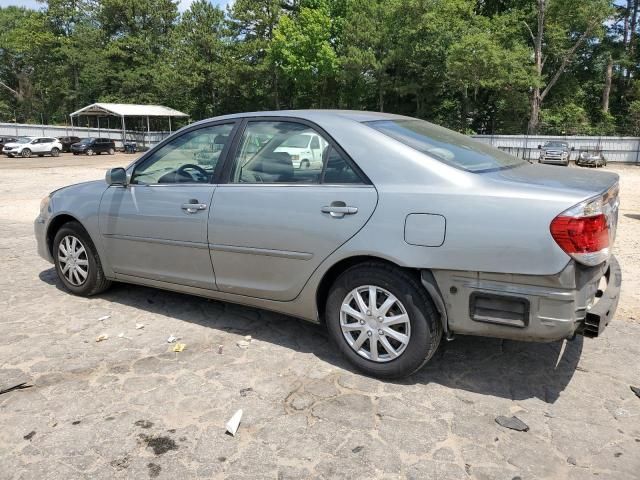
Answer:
(531, 307)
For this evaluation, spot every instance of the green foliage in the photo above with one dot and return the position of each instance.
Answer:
(466, 64)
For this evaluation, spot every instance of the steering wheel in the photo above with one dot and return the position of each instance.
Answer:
(183, 171)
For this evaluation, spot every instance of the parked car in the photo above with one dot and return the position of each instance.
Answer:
(5, 140)
(94, 146)
(67, 142)
(555, 153)
(28, 146)
(305, 150)
(409, 233)
(591, 157)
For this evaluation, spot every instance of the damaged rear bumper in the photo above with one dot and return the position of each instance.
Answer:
(528, 307)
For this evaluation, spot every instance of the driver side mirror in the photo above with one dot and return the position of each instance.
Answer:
(116, 176)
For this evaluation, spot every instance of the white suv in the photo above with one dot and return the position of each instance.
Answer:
(305, 150)
(28, 146)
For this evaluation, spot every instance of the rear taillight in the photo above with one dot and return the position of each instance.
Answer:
(584, 231)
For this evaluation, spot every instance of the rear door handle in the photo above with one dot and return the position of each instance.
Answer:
(193, 206)
(339, 210)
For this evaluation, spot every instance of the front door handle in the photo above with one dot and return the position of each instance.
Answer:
(339, 209)
(193, 206)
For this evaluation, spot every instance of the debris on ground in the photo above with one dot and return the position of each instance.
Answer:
(233, 423)
(139, 326)
(635, 390)
(19, 386)
(29, 435)
(172, 339)
(571, 461)
(104, 317)
(245, 391)
(243, 344)
(248, 338)
(179, 347)
(103, 337)
(220, 348)
(514, 423)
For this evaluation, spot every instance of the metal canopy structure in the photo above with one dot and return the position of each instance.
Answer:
(124, 110)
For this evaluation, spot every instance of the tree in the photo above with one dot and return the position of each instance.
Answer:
(561, 31)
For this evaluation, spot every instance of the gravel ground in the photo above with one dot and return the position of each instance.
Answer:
(129, 407)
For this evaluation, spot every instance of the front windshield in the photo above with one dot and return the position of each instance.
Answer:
(23, 140)
(556, 144)
(446, 145)
(297, 141)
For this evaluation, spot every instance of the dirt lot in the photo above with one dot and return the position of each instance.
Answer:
(129, 407)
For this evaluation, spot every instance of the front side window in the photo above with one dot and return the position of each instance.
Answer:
(189, 158)
(445, 145)
(288, 152)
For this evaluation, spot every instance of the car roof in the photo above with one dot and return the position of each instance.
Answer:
(316, 115)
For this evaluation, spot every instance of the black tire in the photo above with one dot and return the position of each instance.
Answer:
(26, 153)
(112, 151)
(75, 153)
(90, 152)
(55, 152)
(95, 281)
(426, 329)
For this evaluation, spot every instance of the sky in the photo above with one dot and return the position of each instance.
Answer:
(184, 4)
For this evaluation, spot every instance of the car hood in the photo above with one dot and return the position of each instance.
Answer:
(571, 181)
(90, 185)
(13, 144)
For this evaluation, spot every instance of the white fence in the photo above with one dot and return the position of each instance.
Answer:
(614, 149)
(144, 139)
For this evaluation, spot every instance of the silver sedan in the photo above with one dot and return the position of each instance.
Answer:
(403, 233)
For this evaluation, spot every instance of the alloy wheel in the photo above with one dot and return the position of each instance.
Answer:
(374, 323)
(73, 260)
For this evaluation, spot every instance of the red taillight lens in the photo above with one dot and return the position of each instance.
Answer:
(581, 234)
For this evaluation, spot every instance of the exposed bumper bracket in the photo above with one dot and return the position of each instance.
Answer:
(599, 316)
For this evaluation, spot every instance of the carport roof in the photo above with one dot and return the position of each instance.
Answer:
(128, 110)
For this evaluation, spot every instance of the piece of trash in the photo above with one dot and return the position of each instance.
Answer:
(172, 339)
(571, 461)
(179, 347)
(514, 423)
(635, 390)
(29, 435)
(139, 326)
(102, 337)
(19, 386)
(220, 347)
(121, 335)
(248, 338)
(233, 423)
(105, 317)
(243, 344)
(245, 391)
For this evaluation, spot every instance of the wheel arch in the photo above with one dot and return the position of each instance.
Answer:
(56, 223)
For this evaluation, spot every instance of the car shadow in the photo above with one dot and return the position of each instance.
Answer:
(634, 216)
(502, 368)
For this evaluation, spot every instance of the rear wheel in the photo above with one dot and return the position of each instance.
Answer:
(382, 320)
(77, 262)
(26, 153)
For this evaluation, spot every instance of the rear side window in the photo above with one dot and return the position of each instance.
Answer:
(337, 170)
(445, 145)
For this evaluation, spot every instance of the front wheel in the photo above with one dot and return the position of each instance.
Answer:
(55, 152)
(382, 320)
(77, 262)
(112, 151)
(26, 153)
(89, 152)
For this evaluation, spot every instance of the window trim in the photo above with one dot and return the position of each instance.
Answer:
(225, 176)
(234, 122)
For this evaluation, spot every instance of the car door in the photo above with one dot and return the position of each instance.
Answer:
(273, 225)
(156, 226)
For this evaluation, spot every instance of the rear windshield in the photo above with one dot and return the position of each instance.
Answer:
(445, 145)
